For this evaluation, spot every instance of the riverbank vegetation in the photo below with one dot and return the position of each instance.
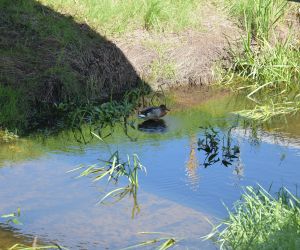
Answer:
(117, 17)
(48, 60)
(261, 221)
(267, 69)
(56, 54)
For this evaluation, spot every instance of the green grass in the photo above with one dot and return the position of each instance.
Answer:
(258, 17)
(117, 17)
(268, 69)
(261, 221)
(13, 109)
(48, 58)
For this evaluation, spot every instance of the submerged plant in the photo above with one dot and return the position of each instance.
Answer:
(261, 221)
(36, 247)
(13, 217)
(162, 243)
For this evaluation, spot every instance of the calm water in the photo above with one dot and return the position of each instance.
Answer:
(176, 196)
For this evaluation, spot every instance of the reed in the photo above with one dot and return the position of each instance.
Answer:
(268, 69)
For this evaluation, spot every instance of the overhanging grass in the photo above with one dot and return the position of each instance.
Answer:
(268, 69)
(261, 221)
(116, 17)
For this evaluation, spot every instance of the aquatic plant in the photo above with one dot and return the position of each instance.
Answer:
(260, 221)
(13, 217)
(36, 247)
(113, 169)
(210, 145)
(162, 243)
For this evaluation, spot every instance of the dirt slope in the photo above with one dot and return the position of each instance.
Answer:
(190, 56)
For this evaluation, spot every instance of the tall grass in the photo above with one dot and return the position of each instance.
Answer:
(116, 17)
(261, 221)
(268, 69)
(257, 16)
(12, 110)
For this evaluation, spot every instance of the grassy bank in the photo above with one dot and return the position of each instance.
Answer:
(56, 53)
(117, 17)
(267, 70)
(261, 221)
(47, 59)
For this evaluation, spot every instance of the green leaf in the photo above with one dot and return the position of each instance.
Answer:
(8, 215)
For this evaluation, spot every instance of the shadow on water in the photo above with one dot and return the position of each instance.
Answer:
(153, 126)
(48, 58)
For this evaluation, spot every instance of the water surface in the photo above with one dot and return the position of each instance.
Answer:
(177, 195)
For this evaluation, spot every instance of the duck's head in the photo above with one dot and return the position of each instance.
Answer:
(164, 108)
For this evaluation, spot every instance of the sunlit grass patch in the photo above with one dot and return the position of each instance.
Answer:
(116, 17)
(257, 16)
(267, 71)
(269, 77)
(261, 221)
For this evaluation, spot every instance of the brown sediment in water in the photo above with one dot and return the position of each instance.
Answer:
(188, 97)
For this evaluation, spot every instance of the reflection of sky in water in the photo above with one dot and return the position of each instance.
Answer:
(175, 194)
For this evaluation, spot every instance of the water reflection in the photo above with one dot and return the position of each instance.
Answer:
(192, 165)
(70, 216)
(153, 126)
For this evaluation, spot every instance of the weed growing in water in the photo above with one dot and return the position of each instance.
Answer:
(36, 247)
(113, 169)
(167, 242)
(13, 217)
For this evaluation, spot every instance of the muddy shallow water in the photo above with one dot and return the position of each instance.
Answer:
(176, 196)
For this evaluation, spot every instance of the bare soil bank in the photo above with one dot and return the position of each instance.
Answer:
(186, 58)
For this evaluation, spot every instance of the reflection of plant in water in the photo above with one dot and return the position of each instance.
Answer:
(192, 164)
(211, 146)
(114, 168)
(102, 119)
(107, 115)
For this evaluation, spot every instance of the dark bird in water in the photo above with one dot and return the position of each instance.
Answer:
(153, 113)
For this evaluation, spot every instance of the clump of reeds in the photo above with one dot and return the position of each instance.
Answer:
(268, 69)
(261, 221)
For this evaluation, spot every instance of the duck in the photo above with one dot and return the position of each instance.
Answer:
(153, 113)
